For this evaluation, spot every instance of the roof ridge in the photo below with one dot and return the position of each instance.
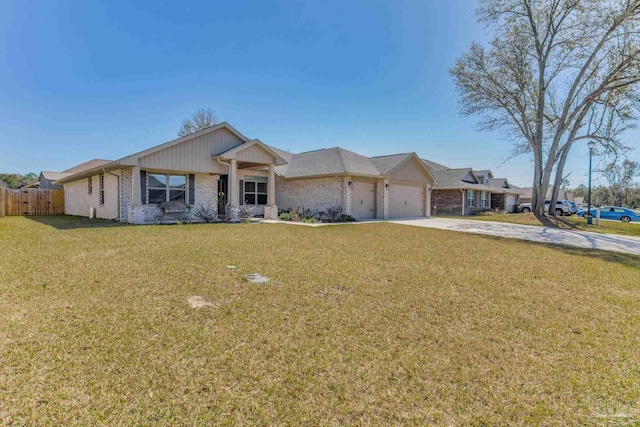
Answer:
(344, 166)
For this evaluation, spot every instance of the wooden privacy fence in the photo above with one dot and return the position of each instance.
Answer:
(32, 201)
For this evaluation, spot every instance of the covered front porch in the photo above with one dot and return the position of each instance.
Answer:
(149, 193)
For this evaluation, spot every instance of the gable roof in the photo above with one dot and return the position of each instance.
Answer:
(231, 154)
(52, 176)
(87, 165)
(484, 172)
(328, 161)
(132, 159)
(434, 166)
(339, 161)
(453, 179)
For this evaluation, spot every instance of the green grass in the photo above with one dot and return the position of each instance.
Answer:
(368, 324)
(565, 222)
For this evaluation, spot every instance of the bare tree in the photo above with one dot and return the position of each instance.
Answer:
(201, 119)
(556, 72)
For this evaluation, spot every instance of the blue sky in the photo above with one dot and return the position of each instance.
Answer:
(82, 80)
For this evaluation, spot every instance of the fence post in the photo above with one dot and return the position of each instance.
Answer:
(2, 202)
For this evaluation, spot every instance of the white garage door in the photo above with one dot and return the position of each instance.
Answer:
(363, 197)
(510, 203)
(406, 201)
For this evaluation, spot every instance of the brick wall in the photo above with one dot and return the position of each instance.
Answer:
(446, 202)
(77, 199)
(315, 194)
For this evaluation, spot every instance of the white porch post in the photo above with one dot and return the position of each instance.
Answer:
(346, 195)
(136, 193)
(427, 210)
(271, 210)
(234, 195)
(463, 199)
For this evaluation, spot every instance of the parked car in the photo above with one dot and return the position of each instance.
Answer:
(562, 207)
(613, 213)
(574, 208)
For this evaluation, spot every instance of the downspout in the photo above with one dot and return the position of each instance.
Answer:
(104, 170)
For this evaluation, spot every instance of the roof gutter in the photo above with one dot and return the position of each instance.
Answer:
(104, 170)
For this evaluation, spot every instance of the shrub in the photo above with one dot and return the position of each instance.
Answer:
(332, 214)
(246, 211)
(206, 212)
(346, 218)
(285, 216)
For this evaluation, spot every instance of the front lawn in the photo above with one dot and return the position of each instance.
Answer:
(366, 324)
(565, 222)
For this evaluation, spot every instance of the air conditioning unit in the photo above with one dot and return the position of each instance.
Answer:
(92, 212)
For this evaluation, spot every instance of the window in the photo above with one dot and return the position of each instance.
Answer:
(483, 199)
(470, 197)
(101, 190)
(90, 185)
(255, 193)
(167, 188)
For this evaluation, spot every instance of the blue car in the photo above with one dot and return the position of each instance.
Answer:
(613, 213)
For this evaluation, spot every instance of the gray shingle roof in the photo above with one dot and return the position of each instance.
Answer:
(433, 166)
(52, 176)
(87, 165)
(386, 164)
(453, 179)
(329, 161)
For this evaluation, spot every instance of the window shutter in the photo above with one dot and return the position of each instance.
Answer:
(192, 189)
(143, 187)
(242, 191)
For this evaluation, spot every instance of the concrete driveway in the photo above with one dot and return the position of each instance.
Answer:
(555, 236)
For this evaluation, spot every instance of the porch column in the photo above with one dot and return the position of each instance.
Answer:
(271, 186)
(346, 195)
(427, 210)
(271, 210)
(463, 199)
(136, 193)
(234, 195)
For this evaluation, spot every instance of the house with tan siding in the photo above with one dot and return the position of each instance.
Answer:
(220, 168)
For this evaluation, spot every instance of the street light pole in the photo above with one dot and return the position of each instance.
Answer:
(591, 145)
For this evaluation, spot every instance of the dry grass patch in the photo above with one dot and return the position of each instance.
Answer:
(564, 222)
(375, 324)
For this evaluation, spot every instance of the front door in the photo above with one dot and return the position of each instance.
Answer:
(223, 187)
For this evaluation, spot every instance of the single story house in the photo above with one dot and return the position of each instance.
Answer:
(221, 169)
(463, 191)
(526, 194)
(47, 178)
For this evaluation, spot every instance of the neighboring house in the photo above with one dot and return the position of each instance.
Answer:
(463, 191)
(526, 192)
(221, 168)
(509, 199)
(46, 179)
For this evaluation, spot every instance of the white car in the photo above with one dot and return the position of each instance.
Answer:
(562, 207)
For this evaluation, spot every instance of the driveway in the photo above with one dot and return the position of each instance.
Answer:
(555, 236)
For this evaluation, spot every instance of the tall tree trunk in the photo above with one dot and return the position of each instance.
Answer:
(558, 180)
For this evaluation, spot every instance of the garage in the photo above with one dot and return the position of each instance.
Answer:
(511, 200)
(363, 200)
(406, 201)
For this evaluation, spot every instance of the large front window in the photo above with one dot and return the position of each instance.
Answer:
(470, 198)
(483, 199)
(255, 193)
(167, 188)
